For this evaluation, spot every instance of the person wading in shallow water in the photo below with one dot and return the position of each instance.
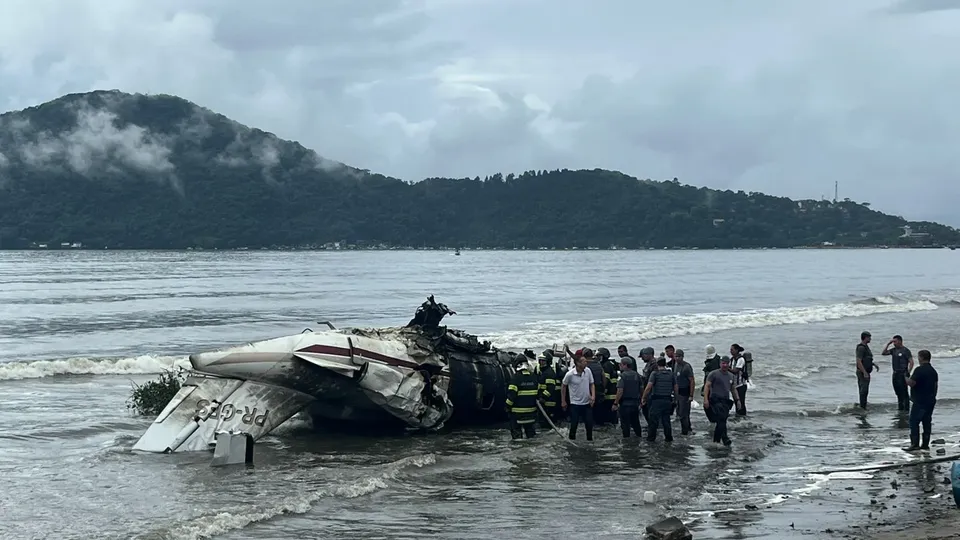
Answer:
(716, 394)
(548, 389)
(659, 393)
(711, 364)
(648, 367)
(924, 383)
(600, 381)
(738, 366)
(864, 367)
(902, 364)
(579, 392)
(685, 385)
(627, 400)
(522, 394)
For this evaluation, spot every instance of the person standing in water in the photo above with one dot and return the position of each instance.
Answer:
(711, 364)
(685, 385)
(627, 400)
(522, 394)
(658, 394)
(648, 367)
(864, 367)
(669, 352)
(738, 365)
(579, 387)
(716, 394)
(902, 365)
(924, 383)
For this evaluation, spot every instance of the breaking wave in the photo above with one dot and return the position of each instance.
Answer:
(947, 353)
(145, 364)
(223, 522)
(940, 298)
(549, 332)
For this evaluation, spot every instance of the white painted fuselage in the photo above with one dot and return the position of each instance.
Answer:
(336, 376)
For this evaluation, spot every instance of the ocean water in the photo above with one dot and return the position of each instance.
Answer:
(78, 328)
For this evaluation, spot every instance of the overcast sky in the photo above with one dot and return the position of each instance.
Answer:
(781, 96)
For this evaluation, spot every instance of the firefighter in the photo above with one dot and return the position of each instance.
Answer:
(611, 373)
(549, 389)
(522, 399)
(559, 369)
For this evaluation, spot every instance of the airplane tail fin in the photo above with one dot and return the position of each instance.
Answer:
(205, 405)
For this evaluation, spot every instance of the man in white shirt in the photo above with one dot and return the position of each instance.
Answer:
(579, 393)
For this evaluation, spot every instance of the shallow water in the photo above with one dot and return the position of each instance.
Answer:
(77, 327)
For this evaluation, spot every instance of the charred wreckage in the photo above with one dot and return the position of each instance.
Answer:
(421, 376)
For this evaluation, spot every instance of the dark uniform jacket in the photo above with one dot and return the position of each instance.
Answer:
(549, 387)
(522, 396)
(612, 372)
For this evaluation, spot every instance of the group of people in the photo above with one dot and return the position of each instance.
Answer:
(591, 388)
(923, 383)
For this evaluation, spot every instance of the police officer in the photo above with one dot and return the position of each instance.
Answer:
(522, 399)
(648, 366)
(659, 394)
(612, 373)
(902, 365)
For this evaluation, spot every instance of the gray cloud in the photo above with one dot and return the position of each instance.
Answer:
(782, 97)
(923, 6)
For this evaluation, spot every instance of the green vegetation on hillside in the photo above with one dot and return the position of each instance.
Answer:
(108, 169)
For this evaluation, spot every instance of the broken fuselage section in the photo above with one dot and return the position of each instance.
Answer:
(421, 376)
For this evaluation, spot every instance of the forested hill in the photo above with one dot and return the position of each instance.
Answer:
(109, 169)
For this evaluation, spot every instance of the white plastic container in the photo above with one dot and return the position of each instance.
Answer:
(650, 497)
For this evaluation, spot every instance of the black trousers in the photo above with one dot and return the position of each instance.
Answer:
(602, 412)
(900, 388)
(921, 414)
(581, 413)
(742, 392)
(863, 385)
(720, 411)
(660, 409)
(630, 417)
(683, 413)
(521, 425)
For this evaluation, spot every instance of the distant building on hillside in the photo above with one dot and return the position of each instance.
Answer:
(908, 233)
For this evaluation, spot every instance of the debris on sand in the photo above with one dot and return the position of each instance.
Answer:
(669, 529)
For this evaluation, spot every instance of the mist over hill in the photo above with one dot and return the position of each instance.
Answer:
(118, 170)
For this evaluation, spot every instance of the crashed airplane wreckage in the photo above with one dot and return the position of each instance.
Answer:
(420, 376)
